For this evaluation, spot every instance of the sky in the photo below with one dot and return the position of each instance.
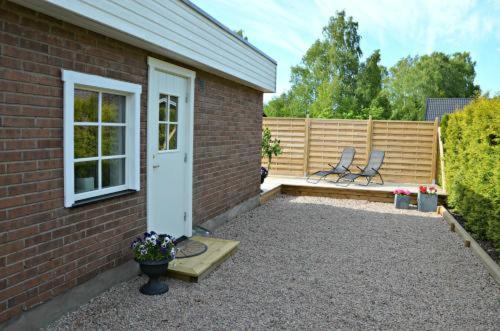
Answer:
(284, 29)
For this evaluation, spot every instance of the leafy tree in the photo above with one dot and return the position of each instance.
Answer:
(269, 147)
(414, 79)
(330, 81)
(369, 80)
(324, 84)
(286, 105)
(241, 33)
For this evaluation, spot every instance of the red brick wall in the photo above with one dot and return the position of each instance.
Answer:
(228, 120)
(45, 248)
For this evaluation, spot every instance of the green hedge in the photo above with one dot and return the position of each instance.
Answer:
(472, 166)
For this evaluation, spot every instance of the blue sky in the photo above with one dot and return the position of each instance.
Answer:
(284, 29)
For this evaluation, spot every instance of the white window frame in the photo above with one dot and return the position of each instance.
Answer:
(76, 80)
(167, 122)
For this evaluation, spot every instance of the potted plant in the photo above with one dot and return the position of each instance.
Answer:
(401, 198)
(427, 199)
(269, 147)
(263, 174)
(153, 252)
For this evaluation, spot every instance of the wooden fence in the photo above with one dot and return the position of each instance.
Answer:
(310, 144)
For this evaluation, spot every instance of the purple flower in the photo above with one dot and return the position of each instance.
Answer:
(263, 171)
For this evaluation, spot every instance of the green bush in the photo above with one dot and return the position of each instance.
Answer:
(472, 166)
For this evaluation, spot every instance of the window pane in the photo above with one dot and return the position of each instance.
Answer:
(113, 108)
(85, 104)
(113, 172)
(85, 141)
(86, 176)
(162, 132)
(173, 109)
(113, 140)
(172, 137)
(163, 107)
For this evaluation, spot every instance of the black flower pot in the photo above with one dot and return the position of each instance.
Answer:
(154, 270)
(263, 174)
(262, 177)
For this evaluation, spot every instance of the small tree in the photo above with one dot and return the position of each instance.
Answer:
(269, 147)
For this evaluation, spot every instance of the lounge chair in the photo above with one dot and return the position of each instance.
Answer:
(371, 170)
(341, 169)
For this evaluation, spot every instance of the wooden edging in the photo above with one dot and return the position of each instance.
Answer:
(336, 192)
(488, 262)
(266, 196)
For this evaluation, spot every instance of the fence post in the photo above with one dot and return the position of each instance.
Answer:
(441, 158)
(434, 151)
(307, 124)
(369, 133)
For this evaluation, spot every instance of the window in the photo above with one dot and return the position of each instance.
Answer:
(101, 136)
(167, 123)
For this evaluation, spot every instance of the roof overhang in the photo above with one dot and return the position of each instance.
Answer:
(177, 29)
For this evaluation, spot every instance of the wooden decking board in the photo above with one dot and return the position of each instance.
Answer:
(195, 268)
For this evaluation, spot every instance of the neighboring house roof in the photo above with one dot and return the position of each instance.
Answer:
(177, 29)
(437, 107)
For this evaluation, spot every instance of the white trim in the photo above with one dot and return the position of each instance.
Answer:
(132, 92)
(155, 64)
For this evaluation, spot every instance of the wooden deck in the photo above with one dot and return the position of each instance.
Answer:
(373, 192)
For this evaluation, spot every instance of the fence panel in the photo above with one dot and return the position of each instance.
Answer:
(291, 133)
(310, 144)
(328, 138)
(408, 150)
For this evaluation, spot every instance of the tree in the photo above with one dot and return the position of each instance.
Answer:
(330, 81)
(369, 80)
(324, 83)
(414, 79)
(269, 147)
(241, 33)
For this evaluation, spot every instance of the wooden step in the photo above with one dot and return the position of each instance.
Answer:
(193, 269)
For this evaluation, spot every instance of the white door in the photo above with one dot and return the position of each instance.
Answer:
(169, 143)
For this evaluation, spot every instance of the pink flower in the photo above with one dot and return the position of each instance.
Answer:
(401, 191)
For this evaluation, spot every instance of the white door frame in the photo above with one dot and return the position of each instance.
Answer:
(158, 65)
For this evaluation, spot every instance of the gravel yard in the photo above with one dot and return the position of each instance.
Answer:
(310, 263)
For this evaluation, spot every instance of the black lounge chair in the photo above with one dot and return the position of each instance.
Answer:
(371, 170)
(341, 169)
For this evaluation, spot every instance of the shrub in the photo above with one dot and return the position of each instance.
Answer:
(472, 166)
(269, 147)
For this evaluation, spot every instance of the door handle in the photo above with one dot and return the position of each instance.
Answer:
(156, 166)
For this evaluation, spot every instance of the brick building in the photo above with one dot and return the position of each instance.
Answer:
(113, 120)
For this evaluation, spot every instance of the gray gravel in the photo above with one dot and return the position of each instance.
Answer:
(310, 263)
